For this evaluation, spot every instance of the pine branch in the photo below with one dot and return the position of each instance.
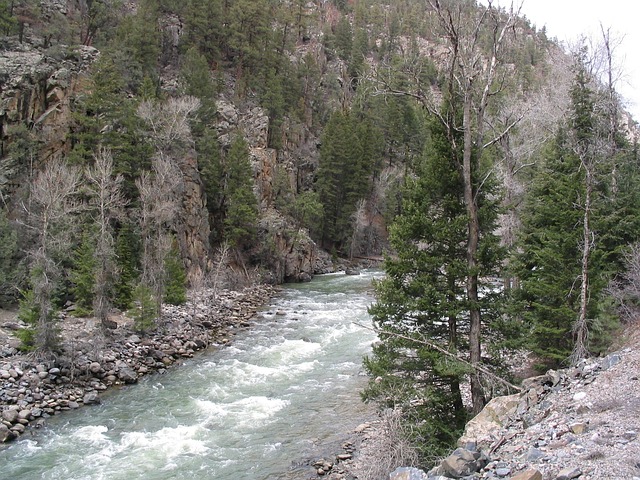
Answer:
(445, 352)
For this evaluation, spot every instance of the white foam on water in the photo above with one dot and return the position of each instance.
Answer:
(171, 442)
(93, 434)
(245, 413)
(237, 374)
(289, 350)
(272, 447)
(169, 467)
(304, 367)
(28, 448)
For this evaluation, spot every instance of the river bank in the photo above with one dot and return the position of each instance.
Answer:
(92, 362)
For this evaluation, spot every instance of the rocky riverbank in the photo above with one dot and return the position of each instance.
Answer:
(578, 423)
(91, 361)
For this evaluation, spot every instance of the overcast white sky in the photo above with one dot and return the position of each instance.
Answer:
(568, 19)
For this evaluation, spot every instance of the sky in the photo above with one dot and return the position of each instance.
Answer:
(568, 19)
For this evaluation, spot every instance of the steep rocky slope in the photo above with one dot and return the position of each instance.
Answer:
(581, 422)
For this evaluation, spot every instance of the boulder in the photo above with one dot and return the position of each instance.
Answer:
(127, 375)
(483, 428)
(462, 463)
(10, 415)
(18, 428)
(407, 473)
(528, 475)
(610, 361)
(24, 414)
(109, 323)
(6, 434)
(91, 398)
(569, 474)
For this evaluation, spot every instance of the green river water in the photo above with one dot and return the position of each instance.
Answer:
(285, 389)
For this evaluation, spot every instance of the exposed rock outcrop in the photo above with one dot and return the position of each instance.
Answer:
(193, 226)
(37, 90)
(292, 255)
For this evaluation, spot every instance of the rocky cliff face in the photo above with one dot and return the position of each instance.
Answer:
(193, 226)
(292, 253)
(36, 91)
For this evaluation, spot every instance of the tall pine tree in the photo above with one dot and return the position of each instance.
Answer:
(423, 297)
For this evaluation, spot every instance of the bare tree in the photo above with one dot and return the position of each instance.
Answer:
(625, 290)
(169, 122)
(389, 447)
(360, 222)
(160, 201)
(222, 260)
(52, 203)
(472, 60)
(170, 133)
(107, 201)
(539, 111)
(158, 207)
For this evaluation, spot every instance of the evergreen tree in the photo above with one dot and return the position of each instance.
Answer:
(548, 266)
(139, 38)
(572, 240)
(145, 309)
(241, 203)
(249, 36)
(7, 21)
(98, 20)
(198, 83)
(9, 275)
(82, 275)
(344, 38)
(106, 117)
(128, 252)
(176, 278)
(423, 298)
(205, 28)
(350, 152)
(359, 53)
(212, 174)
(273, 101)
(21, 156)
(29, 314)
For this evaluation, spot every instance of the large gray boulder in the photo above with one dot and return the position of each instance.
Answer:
(127, 375)
(484, 428)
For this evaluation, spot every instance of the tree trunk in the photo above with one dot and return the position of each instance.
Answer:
(581, 330)
(477, 393)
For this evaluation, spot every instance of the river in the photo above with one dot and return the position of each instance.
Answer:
(284, 389)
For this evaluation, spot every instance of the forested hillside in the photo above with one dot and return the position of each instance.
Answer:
(155, 145)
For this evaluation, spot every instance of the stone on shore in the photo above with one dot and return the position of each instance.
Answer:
(528, 475)
(91, 398)
(407, 473)
(127, 375)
